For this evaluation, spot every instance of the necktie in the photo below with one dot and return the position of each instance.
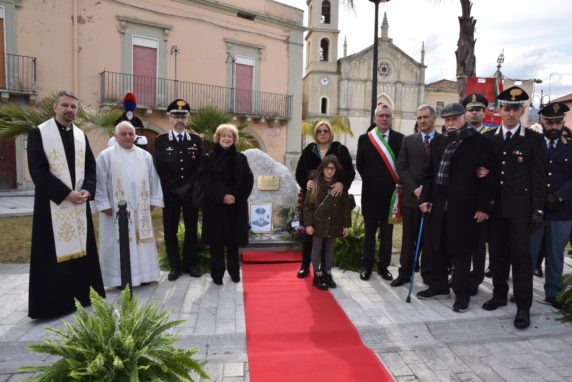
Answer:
(426, 144)
(180, 138)
(507, 137)
(552, 147)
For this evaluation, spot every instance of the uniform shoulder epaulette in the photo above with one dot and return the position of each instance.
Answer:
(485, 129)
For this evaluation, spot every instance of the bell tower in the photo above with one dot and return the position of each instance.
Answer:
(321, 71)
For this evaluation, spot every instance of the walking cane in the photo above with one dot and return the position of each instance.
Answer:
(408, 299)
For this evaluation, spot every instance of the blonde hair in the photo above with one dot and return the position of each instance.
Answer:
(320, 123)
(225, 127)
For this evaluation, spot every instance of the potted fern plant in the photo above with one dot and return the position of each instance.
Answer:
(123, 343)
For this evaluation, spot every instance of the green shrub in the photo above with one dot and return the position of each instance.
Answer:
(565, 296)
(348, 250)
(203, 255)
(123, 343)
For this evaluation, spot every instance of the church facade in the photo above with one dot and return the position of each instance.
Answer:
(343, 86)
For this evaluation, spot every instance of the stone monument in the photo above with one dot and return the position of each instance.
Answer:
(273, 183)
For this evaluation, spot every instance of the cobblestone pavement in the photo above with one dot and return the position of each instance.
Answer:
(420, 341)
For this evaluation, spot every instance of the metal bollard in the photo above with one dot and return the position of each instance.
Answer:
(124, 256)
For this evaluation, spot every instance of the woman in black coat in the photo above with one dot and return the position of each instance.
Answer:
(226, 177)
(309, 161)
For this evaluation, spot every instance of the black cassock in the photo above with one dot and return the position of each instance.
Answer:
(53, 285)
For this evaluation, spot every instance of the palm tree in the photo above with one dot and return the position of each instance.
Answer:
(340, 125)
(206, 121)
(16, 120)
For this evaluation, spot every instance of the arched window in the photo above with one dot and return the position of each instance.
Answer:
(324, 106)
(324, 49)
(325, 12)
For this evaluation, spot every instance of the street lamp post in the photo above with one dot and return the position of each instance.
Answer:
(175, 50)
(375, 54)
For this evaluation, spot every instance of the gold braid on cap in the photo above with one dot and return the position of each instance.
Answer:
(181, 104)
(515, 93)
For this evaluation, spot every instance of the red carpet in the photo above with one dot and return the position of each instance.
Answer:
(272, 257)
(295, 332)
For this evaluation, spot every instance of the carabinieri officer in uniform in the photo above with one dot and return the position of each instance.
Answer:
(519, 204)
(177, 157)
(555, 232)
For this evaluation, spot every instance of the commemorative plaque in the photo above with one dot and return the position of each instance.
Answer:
(268, 183)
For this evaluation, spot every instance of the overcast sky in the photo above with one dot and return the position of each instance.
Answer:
(536, 36)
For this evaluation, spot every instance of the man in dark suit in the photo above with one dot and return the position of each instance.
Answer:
(410, 163)
(456, 201)
(558, 202)
(375, 161)
(519, 204)
(177, 157)
(475, 106)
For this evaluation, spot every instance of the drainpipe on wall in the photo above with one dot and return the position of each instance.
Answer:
(75, 50)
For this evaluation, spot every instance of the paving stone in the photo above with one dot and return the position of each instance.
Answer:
(233, 370)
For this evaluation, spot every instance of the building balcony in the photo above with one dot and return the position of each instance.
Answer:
(17, 75)
(157, 93)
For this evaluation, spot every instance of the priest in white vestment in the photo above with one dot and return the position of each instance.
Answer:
(125, 171)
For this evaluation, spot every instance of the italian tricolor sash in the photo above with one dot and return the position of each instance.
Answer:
(381, 145)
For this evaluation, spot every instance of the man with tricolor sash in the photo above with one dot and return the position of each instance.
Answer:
(64, 262)
(376, 159)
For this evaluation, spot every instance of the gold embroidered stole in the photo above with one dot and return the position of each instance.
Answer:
(69, 220)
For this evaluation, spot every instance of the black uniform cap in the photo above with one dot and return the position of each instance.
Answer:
(178, 107)
(475, 100)
(554, 110)
(513, 96)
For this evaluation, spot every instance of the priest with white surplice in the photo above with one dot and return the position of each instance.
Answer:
(126, 172)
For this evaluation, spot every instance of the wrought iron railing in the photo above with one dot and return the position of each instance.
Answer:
(157, 93)
(18, 73)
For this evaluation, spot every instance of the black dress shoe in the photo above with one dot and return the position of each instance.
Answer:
(554, 302)
(522, 319)
(173, 275)
(399, 281)
(494, 303)
(329, 280)
(473, 291)
(512, 299)
(461, 304)
(235, 279)
(538, 272)
(385, 274)
(488, 273)
(365, 274)
(192, 272)
(217, 281)
(303, 272)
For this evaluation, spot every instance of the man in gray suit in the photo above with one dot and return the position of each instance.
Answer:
(410, 163)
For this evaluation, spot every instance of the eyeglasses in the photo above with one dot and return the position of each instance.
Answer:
(322, 131)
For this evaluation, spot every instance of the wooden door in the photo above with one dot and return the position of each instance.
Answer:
(8, 163)
(2, 55)
(243, 92)
(145, 74)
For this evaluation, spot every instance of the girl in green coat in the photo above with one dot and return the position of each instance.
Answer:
(326, 217)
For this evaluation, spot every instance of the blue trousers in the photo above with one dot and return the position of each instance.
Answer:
(555, 233)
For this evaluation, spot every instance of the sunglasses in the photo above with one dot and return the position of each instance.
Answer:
(322, 131)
